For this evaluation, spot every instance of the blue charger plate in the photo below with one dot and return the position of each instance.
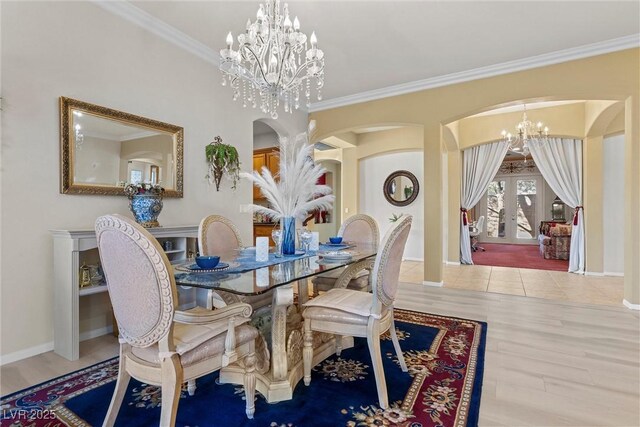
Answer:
(195, 268)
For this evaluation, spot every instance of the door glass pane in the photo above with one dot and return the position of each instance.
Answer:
(495, 209)
(526, 198)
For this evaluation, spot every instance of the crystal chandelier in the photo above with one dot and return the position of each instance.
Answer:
(273, 63)
(526, 131)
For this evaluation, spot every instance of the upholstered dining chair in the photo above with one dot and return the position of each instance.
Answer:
(158, 344)
(360, 314)
(475, 232)
(356, 229)
(216, 235)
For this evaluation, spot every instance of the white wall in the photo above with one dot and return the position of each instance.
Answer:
(613, 201)
(97, 161)
(265, 140)
(373, 172)
(79, 50)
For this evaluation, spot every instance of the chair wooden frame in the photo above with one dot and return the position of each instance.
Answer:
(169, 373)
(379, 320)
(204, 226)
(218, 299)
(354, 270)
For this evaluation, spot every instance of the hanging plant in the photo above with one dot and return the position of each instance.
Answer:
(222, 159)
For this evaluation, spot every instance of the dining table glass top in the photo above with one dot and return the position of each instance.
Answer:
(246, 276)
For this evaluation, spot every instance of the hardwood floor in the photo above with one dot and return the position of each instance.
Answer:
(34, 370)
(548, 363)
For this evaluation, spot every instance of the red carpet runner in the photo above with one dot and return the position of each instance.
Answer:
(517, 256)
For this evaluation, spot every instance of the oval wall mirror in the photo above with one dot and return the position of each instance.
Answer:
(401, 188)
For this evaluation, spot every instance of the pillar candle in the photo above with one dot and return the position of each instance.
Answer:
(262, 249)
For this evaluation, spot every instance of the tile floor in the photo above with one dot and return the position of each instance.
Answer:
(553, 285)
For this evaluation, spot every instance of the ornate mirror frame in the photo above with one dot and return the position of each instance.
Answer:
(390, 181)
(67, 152)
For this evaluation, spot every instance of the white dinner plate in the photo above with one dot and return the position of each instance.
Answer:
(336, 256)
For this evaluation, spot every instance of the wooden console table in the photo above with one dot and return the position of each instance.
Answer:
(72, 248)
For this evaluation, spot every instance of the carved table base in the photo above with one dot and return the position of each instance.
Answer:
(286, 365)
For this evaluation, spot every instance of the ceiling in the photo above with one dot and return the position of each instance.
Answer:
(530, 106)
(371, 45)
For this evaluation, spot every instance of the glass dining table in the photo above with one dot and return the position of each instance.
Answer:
(280, 342)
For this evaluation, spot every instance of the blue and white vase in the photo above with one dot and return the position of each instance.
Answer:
(288, 227)
(145, 208)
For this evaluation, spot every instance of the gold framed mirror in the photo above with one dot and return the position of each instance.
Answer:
(102, 150)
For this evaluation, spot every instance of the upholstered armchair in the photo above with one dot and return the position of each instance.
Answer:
(358, 229)
(361, 314)
(555, 240)
(159, 345)
(216, 235)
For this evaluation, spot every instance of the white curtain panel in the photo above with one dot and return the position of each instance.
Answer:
(560, 162)
(479, 165)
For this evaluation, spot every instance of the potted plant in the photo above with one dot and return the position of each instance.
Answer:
(145, 202)
(222, 159)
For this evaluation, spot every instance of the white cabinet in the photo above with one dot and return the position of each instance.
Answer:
(72, 249)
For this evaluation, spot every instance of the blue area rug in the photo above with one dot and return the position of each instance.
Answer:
(445, 357)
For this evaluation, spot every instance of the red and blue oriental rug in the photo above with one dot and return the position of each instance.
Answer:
(445, 356)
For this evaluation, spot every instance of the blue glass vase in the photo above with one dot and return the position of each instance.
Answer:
(288, 226)
(146, 208)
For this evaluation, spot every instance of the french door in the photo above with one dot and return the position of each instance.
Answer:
(512, 208)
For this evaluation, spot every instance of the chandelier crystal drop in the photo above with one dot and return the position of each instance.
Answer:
(526, 131)
(273, 63)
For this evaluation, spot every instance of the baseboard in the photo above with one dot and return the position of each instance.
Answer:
(452, 262)
(593, 273)
(413, 259)
(95, 333)
(631, 306)
(43, 348)
(614, 274)
(434, 284)
(26, 353)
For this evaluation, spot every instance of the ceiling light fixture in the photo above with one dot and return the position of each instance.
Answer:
(526, 131)
(273, 63)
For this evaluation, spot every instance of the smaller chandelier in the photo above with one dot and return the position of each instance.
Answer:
(79, 136)
(273, 63)
(526, 131)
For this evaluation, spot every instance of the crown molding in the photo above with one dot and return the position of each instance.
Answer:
(143, 19)
(599, 48)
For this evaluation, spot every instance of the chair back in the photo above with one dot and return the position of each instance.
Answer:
(360, 229)
(217, 234)
(480, 224)
(386, 269)
(139, 278)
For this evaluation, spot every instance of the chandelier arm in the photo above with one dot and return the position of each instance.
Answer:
(304, 67)
(257, 61)
(285, 56)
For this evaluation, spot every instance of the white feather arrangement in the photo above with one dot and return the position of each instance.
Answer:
(297, 193)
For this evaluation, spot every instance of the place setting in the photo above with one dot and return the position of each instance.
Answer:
(204, 264)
